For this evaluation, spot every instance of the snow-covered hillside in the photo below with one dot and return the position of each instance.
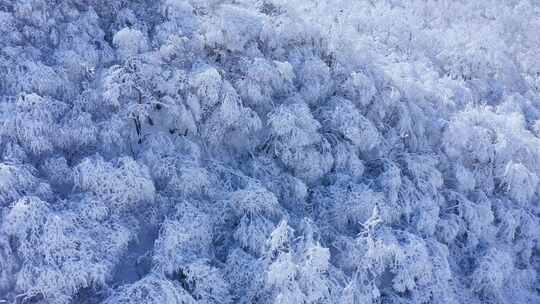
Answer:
(269, 151)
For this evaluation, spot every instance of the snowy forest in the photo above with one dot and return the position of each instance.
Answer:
(269, 151)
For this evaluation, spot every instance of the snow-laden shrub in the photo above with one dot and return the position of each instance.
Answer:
(345, 119)
(296, 141)
(183, 239)
(255, 210)
(494, 270)
(123, 185)
(59, 253)
(152, 289)
(129, 42)
(16, 182)
(406, 264)
(296, 272)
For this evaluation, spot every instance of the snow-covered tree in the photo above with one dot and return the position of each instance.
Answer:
(60, 253)
(152, 289)
(269, 151)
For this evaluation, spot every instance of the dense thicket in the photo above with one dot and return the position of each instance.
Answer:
(269, 151)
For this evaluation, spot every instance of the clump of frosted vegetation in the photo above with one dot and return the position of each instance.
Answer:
(269, 151)
(129, 42)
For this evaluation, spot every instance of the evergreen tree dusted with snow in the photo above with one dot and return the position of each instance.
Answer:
(268, 151)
